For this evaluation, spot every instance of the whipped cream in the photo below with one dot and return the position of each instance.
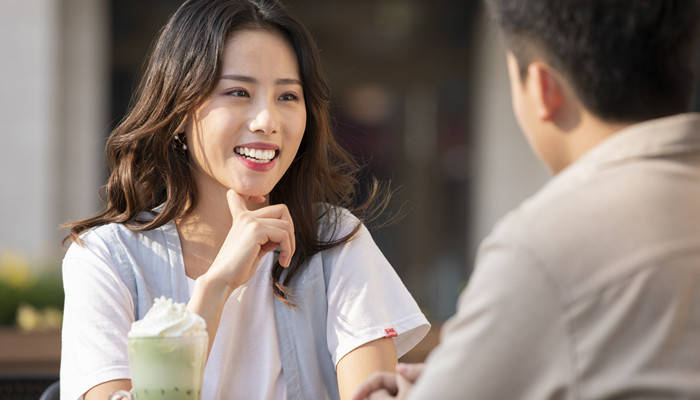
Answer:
(168, 319)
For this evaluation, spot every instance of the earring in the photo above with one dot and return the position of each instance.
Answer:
(179, 141)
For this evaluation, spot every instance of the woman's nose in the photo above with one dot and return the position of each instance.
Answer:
(264, 121)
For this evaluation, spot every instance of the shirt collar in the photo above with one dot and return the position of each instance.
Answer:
(666, 136)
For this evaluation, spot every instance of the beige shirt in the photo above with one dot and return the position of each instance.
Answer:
(591, 288)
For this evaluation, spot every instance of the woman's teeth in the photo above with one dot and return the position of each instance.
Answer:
(256, 155)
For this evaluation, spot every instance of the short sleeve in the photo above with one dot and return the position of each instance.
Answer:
(98, 312)
(508, 339)
(367, 300)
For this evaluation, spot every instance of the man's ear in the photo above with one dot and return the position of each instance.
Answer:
(546, 89)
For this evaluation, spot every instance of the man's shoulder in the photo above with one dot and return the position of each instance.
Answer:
(570, 204)
(558, 222)
(581, 229)
(547, 211)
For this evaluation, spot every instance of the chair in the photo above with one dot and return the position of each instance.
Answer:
(52, 392)
(25, 387)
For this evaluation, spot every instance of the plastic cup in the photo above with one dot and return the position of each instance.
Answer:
(167, 367)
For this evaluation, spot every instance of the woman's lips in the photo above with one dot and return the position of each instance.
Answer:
(257, 156)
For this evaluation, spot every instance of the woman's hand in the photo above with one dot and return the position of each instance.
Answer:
(252, 235)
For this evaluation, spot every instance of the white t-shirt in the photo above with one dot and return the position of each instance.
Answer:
(254, 347)
(364, 293)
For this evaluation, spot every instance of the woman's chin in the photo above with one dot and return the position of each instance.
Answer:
(250, 187)
(251, 192)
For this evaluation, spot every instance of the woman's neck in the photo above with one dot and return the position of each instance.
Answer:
(202, 232)
(209, 219)
(204, 228)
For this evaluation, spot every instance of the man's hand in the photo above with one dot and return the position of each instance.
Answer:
(389, 385)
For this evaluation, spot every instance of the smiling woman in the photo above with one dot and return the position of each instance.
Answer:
(225, 156)
(252, 122)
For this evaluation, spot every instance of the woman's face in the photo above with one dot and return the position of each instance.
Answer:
(247, 132)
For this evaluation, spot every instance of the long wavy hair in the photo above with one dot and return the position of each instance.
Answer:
(147, 170)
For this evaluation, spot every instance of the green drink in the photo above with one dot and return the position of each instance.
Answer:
(167, 353)
(167, 367)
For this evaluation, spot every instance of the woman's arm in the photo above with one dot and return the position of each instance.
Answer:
(103, 390)
(98, 311)
(252, 235)
(208, 299)
(357, 366)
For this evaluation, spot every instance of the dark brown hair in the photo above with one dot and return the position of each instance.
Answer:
(627, 60)
(147, 170)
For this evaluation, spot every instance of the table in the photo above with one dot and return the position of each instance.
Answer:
(29, 353)
(39, 353)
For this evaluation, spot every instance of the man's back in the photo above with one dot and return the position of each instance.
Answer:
(591, 288)
(592, 285)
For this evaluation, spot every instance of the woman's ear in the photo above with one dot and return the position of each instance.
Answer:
(183, 125)
(547, 90)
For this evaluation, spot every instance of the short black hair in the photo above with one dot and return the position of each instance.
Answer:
(627, 60)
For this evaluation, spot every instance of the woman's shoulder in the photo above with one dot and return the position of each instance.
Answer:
(109, 237)
(336, 222)
(104, 233)
(92, 244)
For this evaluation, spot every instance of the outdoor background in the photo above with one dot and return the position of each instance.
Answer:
(420, 94)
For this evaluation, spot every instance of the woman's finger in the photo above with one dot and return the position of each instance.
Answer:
(275, 231)
(279, 211)
(286, 253)
(236, 203)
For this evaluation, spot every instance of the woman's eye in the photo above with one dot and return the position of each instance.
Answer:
(238, 93)
(288, 97)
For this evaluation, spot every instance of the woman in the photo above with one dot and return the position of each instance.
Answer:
(225, 156)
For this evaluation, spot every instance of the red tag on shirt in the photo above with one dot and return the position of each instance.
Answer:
(390, 332)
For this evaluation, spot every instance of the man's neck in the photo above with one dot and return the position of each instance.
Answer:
(588, 133)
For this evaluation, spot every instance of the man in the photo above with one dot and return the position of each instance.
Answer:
(591, 288)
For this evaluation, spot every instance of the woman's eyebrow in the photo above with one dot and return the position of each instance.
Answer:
(288, 81)
(250, 79)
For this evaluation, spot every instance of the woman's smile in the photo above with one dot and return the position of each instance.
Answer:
(257, 156)
(248, 131)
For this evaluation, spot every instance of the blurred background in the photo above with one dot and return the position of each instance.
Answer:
(420, 95)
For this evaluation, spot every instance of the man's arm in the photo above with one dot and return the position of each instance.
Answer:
(508, 339)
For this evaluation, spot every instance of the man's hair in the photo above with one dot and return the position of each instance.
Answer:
(627, 60)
